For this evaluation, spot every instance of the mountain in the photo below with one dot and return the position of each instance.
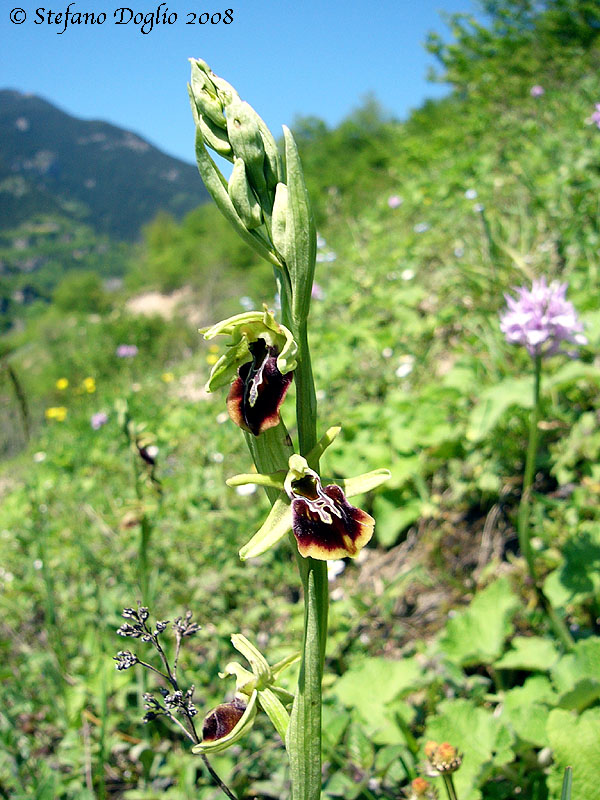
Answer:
(90, 171)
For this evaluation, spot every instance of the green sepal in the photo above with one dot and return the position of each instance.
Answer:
(273, 707)
(300, 233)
(243, 197)
(273, 481)
(243, 329)
(254, 657)
(276, 525)
(241, 729)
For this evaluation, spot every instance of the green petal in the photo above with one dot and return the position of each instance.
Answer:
(361, 483)
(277, 524)
(323, 443)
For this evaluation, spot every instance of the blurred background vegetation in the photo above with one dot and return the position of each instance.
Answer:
(435, 633)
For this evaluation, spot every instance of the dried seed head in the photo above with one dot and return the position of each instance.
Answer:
(125, 659)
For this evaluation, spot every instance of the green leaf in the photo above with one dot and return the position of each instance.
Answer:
(300, 233)
(359, 748)
(493, 402)
(531, 653)
(372, 688)
(575, 741)
(576, 675)
(525, 710)
(394, 515)
(578, 578)
(476, 636)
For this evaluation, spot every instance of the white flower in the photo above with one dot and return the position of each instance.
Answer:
(407, 274)
(407, 363)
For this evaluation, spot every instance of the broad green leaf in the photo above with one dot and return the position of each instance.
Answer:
(476, 636)
(525, 712)
(532, 653)
(372, 688)
(577, 677)
(575, 741)
(359, 749)
(493, 402)
(393, 515)
(579, 577)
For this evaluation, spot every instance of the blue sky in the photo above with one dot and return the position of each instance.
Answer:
(285, 58)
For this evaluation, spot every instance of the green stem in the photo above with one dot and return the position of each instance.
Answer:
(524, 506)
(523, 518)
(449, 785)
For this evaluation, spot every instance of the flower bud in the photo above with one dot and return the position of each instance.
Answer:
(246, 141)
(242, 197)
(204, 94)
(443, 758)
(214, 136)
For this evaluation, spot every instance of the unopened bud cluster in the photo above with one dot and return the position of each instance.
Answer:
(421, 789)
(232, 128)
(442, 758)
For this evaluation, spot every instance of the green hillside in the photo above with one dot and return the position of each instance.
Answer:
(437, 632)
(91, 171)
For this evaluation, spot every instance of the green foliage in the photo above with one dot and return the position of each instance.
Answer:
(81, 291)
(476, 635)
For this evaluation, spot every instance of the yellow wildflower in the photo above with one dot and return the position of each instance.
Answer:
(61, 384)
(168, 377)
(89, 384)
(58, 413)
(212, 358)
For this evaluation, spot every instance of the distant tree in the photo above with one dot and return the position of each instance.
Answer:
(81, 291)
(519, 39)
